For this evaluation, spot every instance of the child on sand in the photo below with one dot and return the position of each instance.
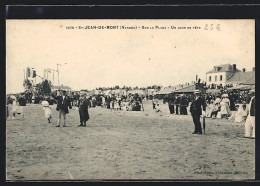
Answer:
(47, 110)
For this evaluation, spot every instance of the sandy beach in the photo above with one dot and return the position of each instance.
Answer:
(125, 145)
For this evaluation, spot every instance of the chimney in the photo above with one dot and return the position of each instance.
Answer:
(234, 67)
(216, 68)
(243, 69)
(253, 69)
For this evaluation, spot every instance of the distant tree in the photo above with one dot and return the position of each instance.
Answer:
(116, 87)
(43, 88)
(46, 85)
(28, 86)
(38, 89)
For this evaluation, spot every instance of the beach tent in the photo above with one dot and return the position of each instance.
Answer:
(139, 92)
(240, 87)
(213, 91)
(163, 92)
(187, 89)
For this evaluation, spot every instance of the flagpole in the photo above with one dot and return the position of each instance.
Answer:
(53, 76)
(58, 75)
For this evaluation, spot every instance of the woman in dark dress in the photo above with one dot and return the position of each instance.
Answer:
(83, 104)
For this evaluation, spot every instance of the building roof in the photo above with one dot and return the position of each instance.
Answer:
(242, 77)
(61, 87)
(187, 89)
(242, 87)
(251, 80)
(222, 68)
(213, 91)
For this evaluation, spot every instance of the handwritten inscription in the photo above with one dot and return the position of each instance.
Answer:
(212, 27)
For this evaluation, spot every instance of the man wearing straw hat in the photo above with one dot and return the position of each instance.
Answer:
(250, 121)
(196, 111)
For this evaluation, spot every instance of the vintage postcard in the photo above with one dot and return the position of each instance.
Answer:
(130, 99)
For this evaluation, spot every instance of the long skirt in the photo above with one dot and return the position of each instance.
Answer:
(47, 112)
(171, 108)
(183, 110)
(84, 116)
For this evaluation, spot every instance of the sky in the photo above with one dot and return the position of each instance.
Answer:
(130, 57)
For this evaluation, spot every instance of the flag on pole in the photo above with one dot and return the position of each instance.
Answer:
(28, 72)
(34, 74)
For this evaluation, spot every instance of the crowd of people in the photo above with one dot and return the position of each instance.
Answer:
(236, 107)
(130, 102)
(226, 105)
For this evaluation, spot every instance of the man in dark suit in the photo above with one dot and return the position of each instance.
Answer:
(183, 105)
(63, 102)
(83, 104)
(177, 103)
(171, 100)
(196, 108)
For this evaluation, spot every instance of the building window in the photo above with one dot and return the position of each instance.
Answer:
(216, 78)
(220, 78)
(209, 78)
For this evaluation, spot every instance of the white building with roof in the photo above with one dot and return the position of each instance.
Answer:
(220, 74)
(227, 74)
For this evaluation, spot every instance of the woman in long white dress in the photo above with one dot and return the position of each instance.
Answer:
(209, 109)
(225, 110)
(241, 114)
(116, 106)
(47, 110)
(16, 109)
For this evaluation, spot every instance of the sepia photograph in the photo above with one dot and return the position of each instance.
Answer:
(130, 99)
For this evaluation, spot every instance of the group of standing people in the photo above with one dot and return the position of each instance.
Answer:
(64, 104)
(198, 110)
(130, 102)
(197, 104)
(178, 103)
